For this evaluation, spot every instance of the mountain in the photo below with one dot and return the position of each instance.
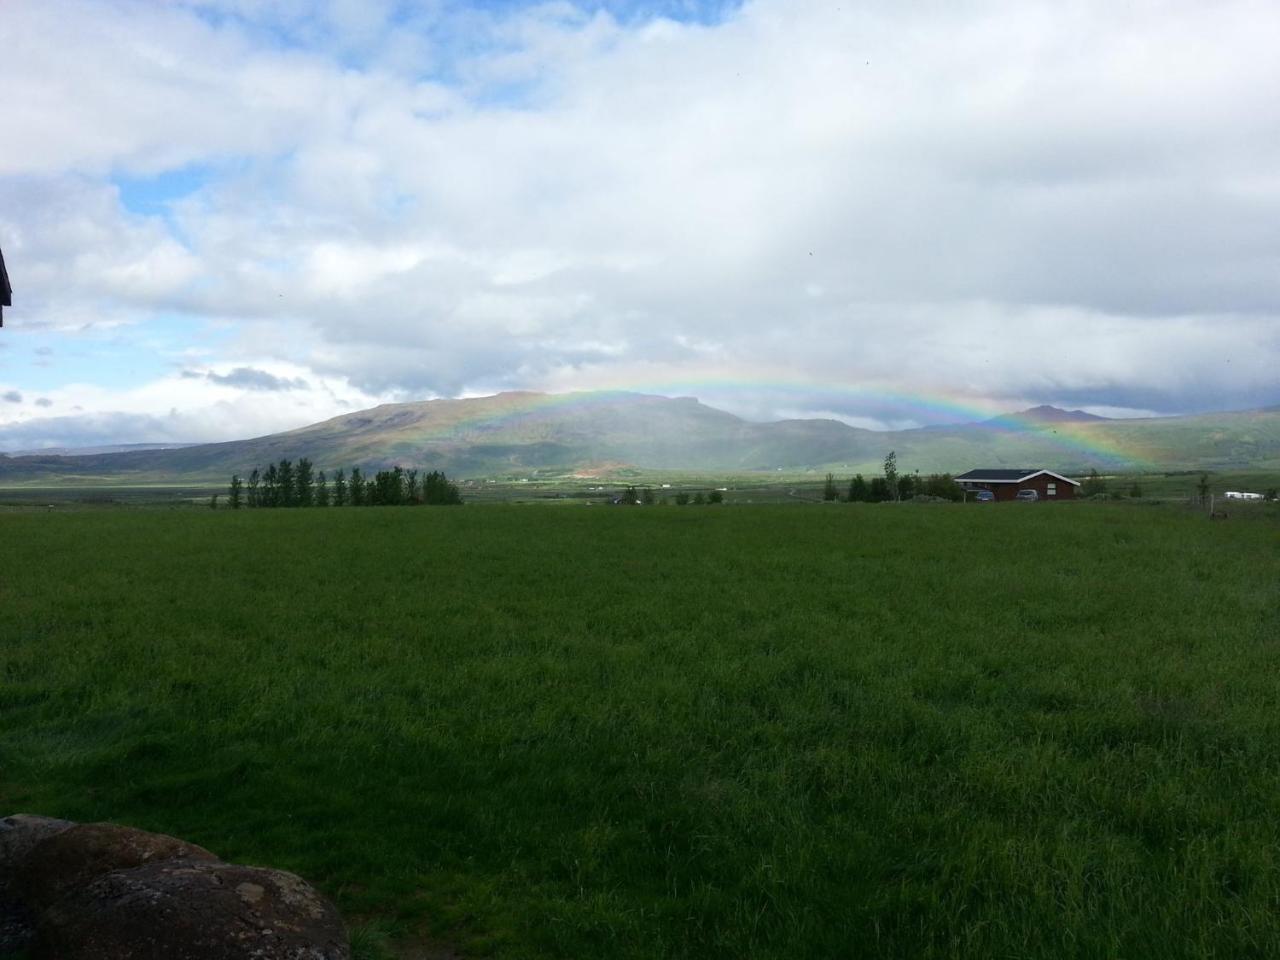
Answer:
(518, 434)
(1045, 414)
(89, 451)
(506, 434)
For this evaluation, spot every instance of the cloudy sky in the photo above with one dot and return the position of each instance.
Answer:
(223, 218)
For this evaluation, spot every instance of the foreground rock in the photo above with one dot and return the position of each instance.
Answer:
(192, 910)
(79, 891)
(73, 857)
(19, 835)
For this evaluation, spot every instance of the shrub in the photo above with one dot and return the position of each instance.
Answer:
(942, 486)
(859, 492)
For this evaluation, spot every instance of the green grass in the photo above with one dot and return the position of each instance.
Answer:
(776, 732)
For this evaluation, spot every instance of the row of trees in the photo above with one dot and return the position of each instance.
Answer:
(287, 484)
(645, 496)
(894, 486)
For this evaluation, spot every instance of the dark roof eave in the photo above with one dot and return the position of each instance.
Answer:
(6, 291)
(1009, 476)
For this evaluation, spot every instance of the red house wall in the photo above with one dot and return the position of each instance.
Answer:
(1039, 483)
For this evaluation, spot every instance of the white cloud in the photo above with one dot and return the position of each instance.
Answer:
(76, 258)
(209, 404)
(1047, 201)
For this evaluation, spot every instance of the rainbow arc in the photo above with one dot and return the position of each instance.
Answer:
(1080, 442)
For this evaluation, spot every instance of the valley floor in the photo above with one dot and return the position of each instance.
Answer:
(923, 730)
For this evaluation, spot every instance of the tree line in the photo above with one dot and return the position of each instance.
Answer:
(893, 486)
(644, 496)
(289, 484)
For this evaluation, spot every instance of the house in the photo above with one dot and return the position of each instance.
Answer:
(1005, 484)
(6, 291)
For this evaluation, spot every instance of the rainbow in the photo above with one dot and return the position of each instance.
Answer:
(1080, 443)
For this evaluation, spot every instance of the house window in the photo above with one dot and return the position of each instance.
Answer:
(1053, 490)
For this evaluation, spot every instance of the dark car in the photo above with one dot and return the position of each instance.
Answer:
(1027, 495)
(984, 496)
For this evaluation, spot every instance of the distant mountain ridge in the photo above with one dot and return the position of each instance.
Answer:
(525, 434)
(104, 448)
(1048, 414)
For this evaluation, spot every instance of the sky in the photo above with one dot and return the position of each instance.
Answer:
(224, 218)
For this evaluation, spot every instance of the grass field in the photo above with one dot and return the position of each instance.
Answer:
(770, 732)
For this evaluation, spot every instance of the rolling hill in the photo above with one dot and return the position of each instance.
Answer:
(519, 434)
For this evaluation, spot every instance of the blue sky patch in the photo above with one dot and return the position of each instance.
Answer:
(685, 11)
(152, 196)
(115, 358)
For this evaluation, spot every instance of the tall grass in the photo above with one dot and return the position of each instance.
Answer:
(916, 731)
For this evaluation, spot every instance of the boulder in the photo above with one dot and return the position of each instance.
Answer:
(192, 910)
(19, 835)
(17, 927)
(72, 857)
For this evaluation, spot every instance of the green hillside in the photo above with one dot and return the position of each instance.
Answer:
(514, 434)
(1245, 440)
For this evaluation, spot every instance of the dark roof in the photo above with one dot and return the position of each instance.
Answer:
(1008, 476)
(6, 291)
(997, 474)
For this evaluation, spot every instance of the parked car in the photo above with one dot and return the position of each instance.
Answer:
(984, 496)
(1027, 495)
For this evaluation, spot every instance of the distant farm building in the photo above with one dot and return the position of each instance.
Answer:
(1005, 484)
(1241, 495)
(6, 291)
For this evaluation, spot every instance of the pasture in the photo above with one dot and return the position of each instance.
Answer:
(722, 732)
